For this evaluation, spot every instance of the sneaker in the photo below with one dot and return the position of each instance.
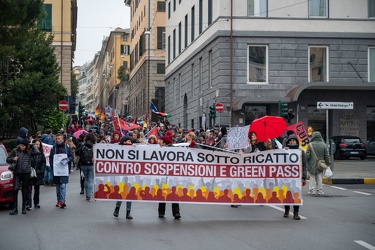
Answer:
(311, 193)
(117, 210)
(28, 208)
(320, 193)
(37, 206)
(89, 199)
(58, 204)
(63, 205)
(161, 215)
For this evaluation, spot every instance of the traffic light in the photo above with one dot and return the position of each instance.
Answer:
(283, 109)
(213, 111)
(81, 110)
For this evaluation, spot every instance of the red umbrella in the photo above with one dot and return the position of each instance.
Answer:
(79, 132)
(268, 127)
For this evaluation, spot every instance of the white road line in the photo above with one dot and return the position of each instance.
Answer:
(339, 188)
(358, 192)
(282, 210)
(365, 244)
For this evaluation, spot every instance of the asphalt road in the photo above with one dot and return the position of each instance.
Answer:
(336, 220)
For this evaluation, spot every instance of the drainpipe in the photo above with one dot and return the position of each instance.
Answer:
(231, 64)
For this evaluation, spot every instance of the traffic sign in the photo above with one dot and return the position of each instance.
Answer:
(219, 107)
(335, 105)
(63, 105)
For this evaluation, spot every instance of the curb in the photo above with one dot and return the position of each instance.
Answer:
(349, 181)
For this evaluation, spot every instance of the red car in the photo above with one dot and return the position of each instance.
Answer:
(6, 178)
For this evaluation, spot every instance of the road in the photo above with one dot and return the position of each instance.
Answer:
(336, 220)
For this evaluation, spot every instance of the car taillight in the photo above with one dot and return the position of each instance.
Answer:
(342, 145)
(362, 145)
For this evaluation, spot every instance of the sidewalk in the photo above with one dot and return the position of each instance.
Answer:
(353, 171)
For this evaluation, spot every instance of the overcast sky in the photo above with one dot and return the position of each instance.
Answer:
(96, 19)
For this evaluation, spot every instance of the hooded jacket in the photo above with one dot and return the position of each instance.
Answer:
(321, 151)
(22, 134)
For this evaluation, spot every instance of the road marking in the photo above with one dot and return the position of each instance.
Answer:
(339, 188)
(365, 244)
(358, 192)
(283, 210)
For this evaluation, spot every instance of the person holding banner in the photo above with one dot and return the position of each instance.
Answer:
(125, 140)
(60, 156)
(166, 141)
(293, 143)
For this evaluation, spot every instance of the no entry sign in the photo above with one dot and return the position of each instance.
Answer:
(63, 105)
(219, 107)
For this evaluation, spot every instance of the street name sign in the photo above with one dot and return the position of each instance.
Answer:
(335, 105)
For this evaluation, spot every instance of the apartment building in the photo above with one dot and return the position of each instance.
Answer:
(61, 22)
(251, 54)
(147, 56)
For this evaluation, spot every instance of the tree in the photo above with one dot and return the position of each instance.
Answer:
(123, 73)
(30, 86)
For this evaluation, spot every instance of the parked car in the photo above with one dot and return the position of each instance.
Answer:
(349, 146)
(6, 178)
(370, 146)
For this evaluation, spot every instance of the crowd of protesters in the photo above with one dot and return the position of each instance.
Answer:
(76, 138)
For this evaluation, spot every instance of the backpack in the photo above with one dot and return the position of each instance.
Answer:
(86, 156)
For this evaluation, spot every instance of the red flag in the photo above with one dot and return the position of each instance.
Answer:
(154, 131)
(97, 110)
(135, 120)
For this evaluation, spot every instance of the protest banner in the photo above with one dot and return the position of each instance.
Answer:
(47, 151)
(238, 137)
(301, 132)
(181, 174)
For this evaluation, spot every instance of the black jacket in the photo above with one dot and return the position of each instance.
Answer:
(38, 161)
(23, 163)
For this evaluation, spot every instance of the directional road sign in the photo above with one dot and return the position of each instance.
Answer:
(335, 105)
(63, 105)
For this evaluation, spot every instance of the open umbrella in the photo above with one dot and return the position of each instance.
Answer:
(79, 132)
(268, 127)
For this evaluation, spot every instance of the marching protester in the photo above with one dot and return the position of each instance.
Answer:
(48, 139)
(38, 162)
(86, 154)
(22, 156)
(316, 150)
(292, 142)
(166, 141)
(60, 181)
(125, 140)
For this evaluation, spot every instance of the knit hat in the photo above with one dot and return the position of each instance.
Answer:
(289, 132)
(166, 139)
(292, 136)
(125, 138)
(169, 133)
(25, 142)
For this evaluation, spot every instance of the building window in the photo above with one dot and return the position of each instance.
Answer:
(318, 64)
(125, 49)
(371, 8)
(257, 64)
(174, 5)
(200, 16)
(318, 8)
(160, 68)
(174, 44)
(209, 16)
(161, 6)
(125, 37)
(371, 64)
(46, 23)
(192, 22)
(161, 38)
(210, 68)
(169, 10)
(169, 49)
(257, 8)
(179, 38)
(186, 31)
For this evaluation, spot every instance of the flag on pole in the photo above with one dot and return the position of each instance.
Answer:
(97, 110)
(154, 131)
(155, 110)
(102, 116)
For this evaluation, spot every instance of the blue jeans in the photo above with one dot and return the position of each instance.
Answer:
(88, 172)
(61, 192)
(48, 177)
(128, 205)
